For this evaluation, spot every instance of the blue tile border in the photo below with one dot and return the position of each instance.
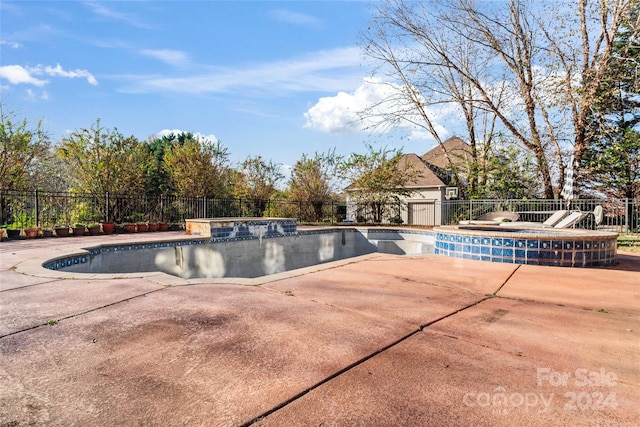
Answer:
(562, 251)
(81, 259)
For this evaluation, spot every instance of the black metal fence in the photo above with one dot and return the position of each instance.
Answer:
(23, 209)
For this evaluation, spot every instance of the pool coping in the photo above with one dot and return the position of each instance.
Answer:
(501, 232)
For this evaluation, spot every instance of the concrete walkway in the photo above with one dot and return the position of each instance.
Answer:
(380, 341)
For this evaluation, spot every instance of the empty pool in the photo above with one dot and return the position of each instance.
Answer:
(244, 255)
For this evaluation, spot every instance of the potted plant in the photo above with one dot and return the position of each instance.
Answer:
(47, 232)
(163, 226)
(78, 229)
(94, 229)
(129, 227)
(1, 233)
(32, 232)
(142, 226)
(61, 230)
(13, 232)
(20, 221)
(153, 226)
(108, 227)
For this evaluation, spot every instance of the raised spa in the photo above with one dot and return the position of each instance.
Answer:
(245, 250)
(536, 246)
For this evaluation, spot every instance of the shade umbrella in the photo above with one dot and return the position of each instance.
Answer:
(568, 191)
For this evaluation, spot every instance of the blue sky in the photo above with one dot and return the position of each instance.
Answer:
(275, 79)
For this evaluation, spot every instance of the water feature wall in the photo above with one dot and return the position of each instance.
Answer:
(220, 229)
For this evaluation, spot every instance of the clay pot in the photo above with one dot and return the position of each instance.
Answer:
(108, 227)
(31, 233)
(142, 227)
(62, 231)
(163, 226)
(153, 226)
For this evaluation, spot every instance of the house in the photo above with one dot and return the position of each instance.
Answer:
(422, 206)
(452, 155)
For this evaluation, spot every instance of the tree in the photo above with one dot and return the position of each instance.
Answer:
(377, 178)
(313, 181)
(21, 151)
(103, 161)
(615, 165)
(537, 78)
(198, 168)
(426, 80)
(613, 156)
(159, 181)
(256, 180)
(510, 174)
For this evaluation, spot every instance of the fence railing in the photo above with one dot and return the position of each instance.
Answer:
(619, 215)
(22, 209)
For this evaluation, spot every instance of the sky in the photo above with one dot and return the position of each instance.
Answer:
(275, 79)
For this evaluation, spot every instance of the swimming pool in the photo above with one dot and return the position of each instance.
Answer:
(244, 256)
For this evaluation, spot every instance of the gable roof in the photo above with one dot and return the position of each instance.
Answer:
(458, 150)
(425, 176)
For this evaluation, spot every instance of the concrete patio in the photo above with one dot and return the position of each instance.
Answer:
(382, 340)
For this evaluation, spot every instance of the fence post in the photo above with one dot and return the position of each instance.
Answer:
(435, 203)
(37, 224)
(106, 206)
(626, 215)
(333, 215)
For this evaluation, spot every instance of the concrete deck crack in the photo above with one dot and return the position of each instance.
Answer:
(71, 316)
(507, 280)
(361, 361)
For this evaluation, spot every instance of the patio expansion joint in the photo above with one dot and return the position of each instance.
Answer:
(507, 280)
(29, 285)
(361, 361)
(51, 322)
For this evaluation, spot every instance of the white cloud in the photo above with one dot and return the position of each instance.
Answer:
(164, 132)
(171, 57)
(324, 71)
(295, 18)
(13, 45)
(58, 71)
(32, 96)
(374, 106)
(112, 14)
(16, 74)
